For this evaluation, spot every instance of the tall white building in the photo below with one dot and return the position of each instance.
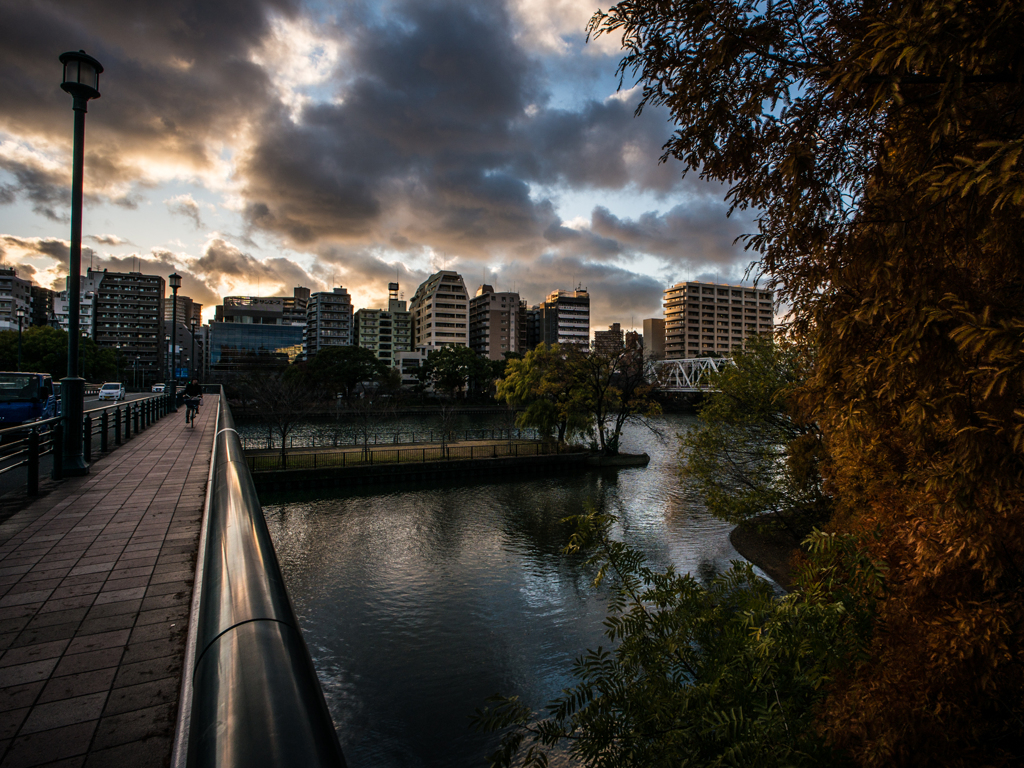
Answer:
(494, 323)
(385, 332)
(328, 321)
(89, 285)
(714, 317)
(565, 318)
(440, 312)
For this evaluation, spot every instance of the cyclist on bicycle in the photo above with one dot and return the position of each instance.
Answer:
(193, 396)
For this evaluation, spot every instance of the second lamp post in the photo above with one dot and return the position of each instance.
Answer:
(175, 282)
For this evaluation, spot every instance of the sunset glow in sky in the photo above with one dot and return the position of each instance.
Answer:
(256, 145)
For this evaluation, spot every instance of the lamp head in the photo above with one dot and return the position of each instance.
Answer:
(81, 75)
(174, 281)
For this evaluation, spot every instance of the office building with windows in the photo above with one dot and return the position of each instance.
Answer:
(252, 333)
(703, 318)
(15, 294)
(609, 342)
(440, 312)
(495, 323)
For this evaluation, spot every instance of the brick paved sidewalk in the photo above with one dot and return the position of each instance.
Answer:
(95, 589)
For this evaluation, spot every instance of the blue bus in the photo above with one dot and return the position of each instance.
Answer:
(26, 397)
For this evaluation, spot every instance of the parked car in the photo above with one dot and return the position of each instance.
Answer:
(111, 390)
(157, 388)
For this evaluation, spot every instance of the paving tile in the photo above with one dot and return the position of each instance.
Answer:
(133, 697)
(50, 746)
(79, 684)
(148, 671)
(63, 712)
(36, 652)
(113, 609)
(139, 724)
(57, 617)
(154, 752)
(85, 662)
(45, 634)
(98, 641)
(17, 696)
(11, 720)
(27, 673)
(107, 623)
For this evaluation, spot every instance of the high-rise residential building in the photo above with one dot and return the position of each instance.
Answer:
(654, 338)
(531, 326)
(129, 318)
(495, 323)
(188, 311)
(15, 294)
(89, 286)
(42, 305)
(609, 342)
(701, 318)
(385, 332)
(565, 318)
(328, 321)
(440, 309)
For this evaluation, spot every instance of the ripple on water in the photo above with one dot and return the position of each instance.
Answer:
(418, 605)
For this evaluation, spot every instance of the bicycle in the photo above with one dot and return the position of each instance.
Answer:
(192, 410)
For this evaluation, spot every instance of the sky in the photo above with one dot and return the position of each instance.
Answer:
(257, 145)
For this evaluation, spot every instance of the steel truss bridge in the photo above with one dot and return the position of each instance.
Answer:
(690, 375)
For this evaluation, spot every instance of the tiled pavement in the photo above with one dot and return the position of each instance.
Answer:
(95, 588)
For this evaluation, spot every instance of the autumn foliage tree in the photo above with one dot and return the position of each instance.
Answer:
(879, 143)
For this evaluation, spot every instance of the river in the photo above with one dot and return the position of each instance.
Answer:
(420, 602)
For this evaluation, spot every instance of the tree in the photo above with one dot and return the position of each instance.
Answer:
(454, 369)
(879, 143)
(717, 674)
(335, 370)
(45, 350)
(753, 454)
(543, 386)
(282, 398)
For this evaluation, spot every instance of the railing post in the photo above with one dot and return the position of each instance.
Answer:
(87, 438)
(33, 463)
(104, 426)
(117, 425)
(58, 451)
(127, 421)
(135, 414)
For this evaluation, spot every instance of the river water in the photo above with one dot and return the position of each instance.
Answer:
(418, 603)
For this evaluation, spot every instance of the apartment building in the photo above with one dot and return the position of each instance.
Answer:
(439, 310)
(701, 318)
(42, 305)
(609, 342)
(385, 332)
(129, 318)
(496, 323)
(328, 321)
(15, 294)
(565, 318)
(89, 286)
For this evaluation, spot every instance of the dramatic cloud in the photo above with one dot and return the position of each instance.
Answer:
(351, 144)
(184, 205)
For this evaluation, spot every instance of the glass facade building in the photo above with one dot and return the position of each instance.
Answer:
(238, 347)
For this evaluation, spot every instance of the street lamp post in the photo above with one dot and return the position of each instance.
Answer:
(21, 316)
(192, 357)
(82, 81)
(174, 281)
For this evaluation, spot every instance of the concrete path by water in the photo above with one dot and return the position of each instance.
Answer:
(95, 590)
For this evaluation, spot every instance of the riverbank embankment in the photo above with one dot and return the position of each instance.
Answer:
(440, 462)
(777, 553)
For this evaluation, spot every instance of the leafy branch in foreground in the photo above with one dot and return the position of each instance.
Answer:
(716, 674)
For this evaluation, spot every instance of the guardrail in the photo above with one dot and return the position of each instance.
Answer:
(25, 445)
(255, 697)
(351, 438)
(369, 457)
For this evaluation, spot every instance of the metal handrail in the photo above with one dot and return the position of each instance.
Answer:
(256, 699)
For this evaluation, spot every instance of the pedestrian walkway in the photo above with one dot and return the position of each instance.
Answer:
(95, 590)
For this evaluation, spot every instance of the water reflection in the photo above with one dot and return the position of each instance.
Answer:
(419, 603)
